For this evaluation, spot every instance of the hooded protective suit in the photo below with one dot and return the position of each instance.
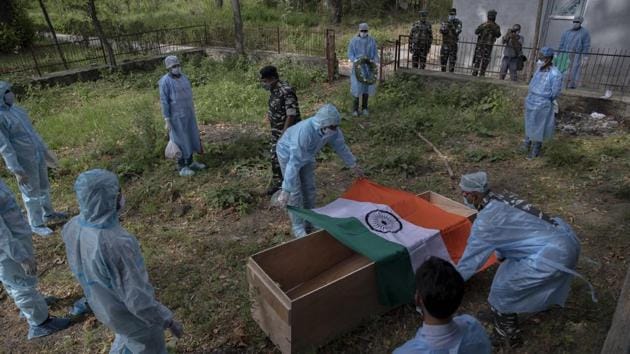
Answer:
(107, 262)
(540, 258)
(578, 44)
(297, 149)
(24, 153)
(16, 246)
(544, 88)
(179, 110)
(362, 47)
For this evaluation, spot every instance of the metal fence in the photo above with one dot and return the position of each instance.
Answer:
(604, 69)
(81, 52)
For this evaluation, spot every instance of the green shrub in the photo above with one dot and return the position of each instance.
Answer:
(566, 153)
(231, 197)
(16, 28)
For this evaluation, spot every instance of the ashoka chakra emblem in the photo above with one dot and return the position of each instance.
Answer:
(383, 221)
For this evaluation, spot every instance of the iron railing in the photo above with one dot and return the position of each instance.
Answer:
(85, 52)
(604, 68)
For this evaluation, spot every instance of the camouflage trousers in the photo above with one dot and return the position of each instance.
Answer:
(419, 56)
(482, 58)
(276, 172)
(448, 55)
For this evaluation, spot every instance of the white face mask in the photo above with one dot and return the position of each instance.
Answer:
(577, 26)
(326, 132)
(540, 62)
(451, 17)
(363, 34)
(176, 71)
(9, 98)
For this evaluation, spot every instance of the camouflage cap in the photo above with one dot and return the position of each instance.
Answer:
(452, 11)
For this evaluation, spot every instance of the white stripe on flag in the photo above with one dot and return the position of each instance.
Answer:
(381, 220)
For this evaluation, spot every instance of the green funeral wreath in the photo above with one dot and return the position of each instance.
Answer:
(371, 79)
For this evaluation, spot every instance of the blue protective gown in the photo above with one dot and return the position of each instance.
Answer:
(544, 88)
(16, 246)
(540, 258)
(178, 109)
(577, 43)
(24, 152)
(358, 48)
(107, 262)
(297, 149)
(463, 335)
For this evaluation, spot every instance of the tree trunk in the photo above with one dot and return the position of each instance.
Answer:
(54, 34)
(238, 27)
(337, 8)
(218, 3)
(617, 340)
(91, 9)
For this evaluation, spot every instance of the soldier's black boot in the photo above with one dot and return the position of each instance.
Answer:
(506, 332)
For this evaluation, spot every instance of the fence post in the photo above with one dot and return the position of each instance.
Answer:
(35, 61)
(330, 54)
(102, 50)
(278, 37)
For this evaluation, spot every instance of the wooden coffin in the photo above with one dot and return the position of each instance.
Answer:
(307, 291)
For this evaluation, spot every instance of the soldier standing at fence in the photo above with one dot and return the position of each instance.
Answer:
(420, 40)
(487, 33)
(284, 111)
(512, 53)
(450, 31)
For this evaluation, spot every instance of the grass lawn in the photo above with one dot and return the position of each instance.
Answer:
(197, 233)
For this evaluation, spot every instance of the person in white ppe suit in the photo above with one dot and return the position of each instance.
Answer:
(297, 149)
(24, 154)
(18, 268)
(108, 263)
(538, 255)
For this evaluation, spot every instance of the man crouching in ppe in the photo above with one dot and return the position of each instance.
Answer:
(18, 268)
(538, 256)
(107, 262)
(297, 149)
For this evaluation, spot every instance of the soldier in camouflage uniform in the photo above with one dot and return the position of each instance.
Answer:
(487, 33)
(284, 111)
(420, 40)
(450, 31)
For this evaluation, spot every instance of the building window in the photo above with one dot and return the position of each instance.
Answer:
(567, 9)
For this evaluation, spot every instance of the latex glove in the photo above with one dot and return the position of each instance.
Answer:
(168, 126)
(556, 108)
(358, 171)
(29, 266)
(22, 179)
(283, 199)
(176, 328)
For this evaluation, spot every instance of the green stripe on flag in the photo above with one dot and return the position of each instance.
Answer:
(394, 276)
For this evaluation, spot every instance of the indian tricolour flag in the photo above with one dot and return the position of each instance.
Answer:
(397, 230)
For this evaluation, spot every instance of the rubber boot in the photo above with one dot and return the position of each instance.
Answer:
(535, 152)
(364, 104)
(355, 106)
(506, 331)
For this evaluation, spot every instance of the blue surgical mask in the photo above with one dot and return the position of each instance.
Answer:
(576, 26)
(9, 98)
(363, 34)
(176, 71)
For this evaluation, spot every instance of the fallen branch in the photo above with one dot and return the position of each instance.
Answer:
(448, 167)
